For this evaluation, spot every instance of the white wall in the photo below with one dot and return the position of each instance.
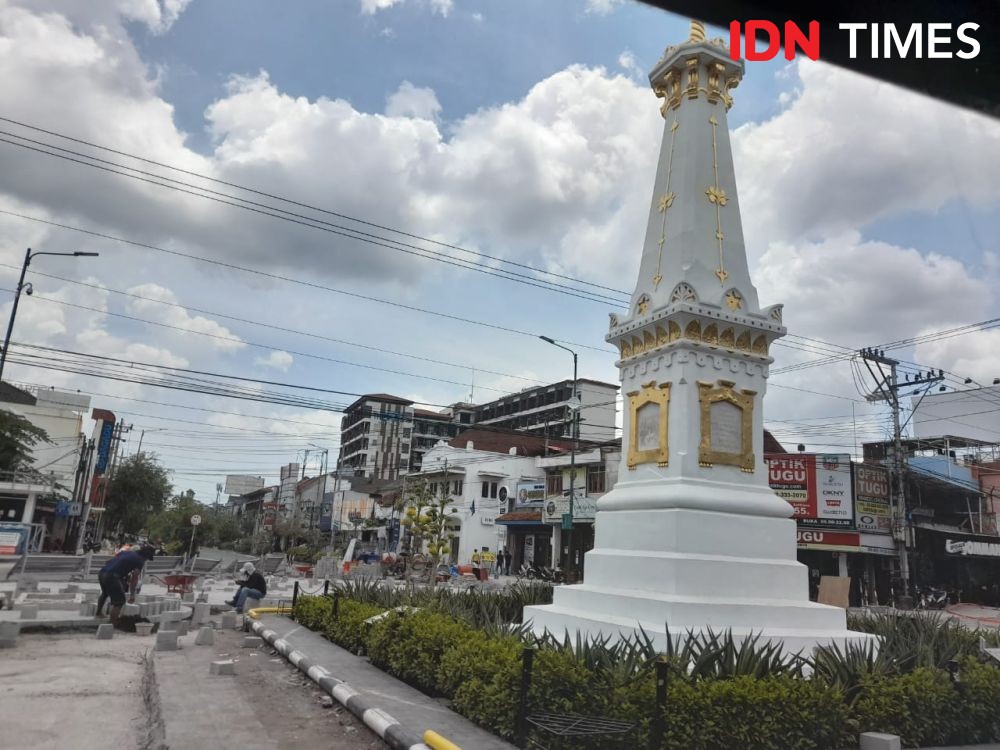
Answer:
(64, 424)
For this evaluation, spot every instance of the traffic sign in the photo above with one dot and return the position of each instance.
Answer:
(195, 520)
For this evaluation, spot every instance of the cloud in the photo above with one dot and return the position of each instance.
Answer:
(413, 101)
(278, 360)
(370, 7)
(847, 151)
(439, 7)
(629, 64)
(602, 7)
(220, 337)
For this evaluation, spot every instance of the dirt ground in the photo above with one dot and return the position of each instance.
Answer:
(61, 690)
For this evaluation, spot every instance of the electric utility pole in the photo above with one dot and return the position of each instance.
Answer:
(887, 389)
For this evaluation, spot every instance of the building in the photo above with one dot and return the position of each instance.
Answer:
(375, 435)
(385, 436)
(546, 410)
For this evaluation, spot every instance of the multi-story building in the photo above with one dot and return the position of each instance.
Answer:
(547, 410)
(375, 435)
(383, 436)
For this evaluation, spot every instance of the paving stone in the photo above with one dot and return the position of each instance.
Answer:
(29, 611)
(91, 596)
(205, 637)
(229, 620)
(168, 626)
(225, 666)
(8, 634)
(166, 640)
(187, 596)
(144, 628)
(131, 610)
(879, 741)
(250, 604)
(182, 627)
(252, 641)
(144, 610)
(200, 613)
(105, 631)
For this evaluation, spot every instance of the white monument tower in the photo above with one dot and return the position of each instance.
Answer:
(692, 537)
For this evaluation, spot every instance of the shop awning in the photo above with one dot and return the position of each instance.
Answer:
(521, 518)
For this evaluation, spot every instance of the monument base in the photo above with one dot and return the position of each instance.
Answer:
(683, 570)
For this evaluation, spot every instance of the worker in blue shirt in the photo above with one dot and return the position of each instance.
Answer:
(122, 567)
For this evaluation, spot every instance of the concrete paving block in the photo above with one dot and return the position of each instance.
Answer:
(200, 613)
(166, 640)
(182, 627)
(250, 604)
(168, 625)
(188, 596)
(91, 596)
(131, 610)
(29, 611)
(229, 620)
(203, 598)
(252, 641)
(223, 667)
(144, 610)
(8, 634)
(144, 628)
(105, 631)
(880, 741)
(205, 637)
(70, 589)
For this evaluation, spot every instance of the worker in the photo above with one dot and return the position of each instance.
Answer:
(121, 570)
(252, 586)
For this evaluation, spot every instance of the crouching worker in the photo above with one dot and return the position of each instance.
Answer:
(120, 571)
(252, 586)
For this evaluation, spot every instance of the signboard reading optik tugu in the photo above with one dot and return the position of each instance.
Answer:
(817, 486)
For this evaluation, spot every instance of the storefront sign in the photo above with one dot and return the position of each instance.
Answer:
(584, 508)
(975, 549)
(872, 512)
(104, 447)
(529, 549)
(845, 541)
(10, 541)
(817, 485)
(487, 519)
(530, 494)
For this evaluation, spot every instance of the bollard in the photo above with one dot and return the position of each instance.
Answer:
(326, 588)
(527, 661)
(658, 726)
(335, 605)
(295, 598)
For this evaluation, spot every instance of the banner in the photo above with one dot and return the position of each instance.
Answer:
(844, 541)
(104, 448)
(817, 485)
(872, 510)
(530, 494)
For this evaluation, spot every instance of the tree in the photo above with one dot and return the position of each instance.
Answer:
(139, 489)
(18, 437)
(426, 517)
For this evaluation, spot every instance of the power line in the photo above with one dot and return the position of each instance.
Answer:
(292, 280)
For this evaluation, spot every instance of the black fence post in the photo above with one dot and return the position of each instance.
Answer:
(335, 606)
(295, 598)
(326, 587)
(527, 662)
(657, 728)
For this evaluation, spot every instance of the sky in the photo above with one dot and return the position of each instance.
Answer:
(524, 131)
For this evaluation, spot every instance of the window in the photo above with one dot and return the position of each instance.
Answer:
(406, 432)
(485, 489)
(404, 448)
(456, 487)
(493, 490)
(554, 484)
(433, 488)
(596, 478)
(489, 489)
(463, 418)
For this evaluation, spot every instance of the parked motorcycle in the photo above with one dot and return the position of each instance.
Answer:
(932, 597)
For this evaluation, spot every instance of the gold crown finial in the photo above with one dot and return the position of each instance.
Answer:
(697, 32)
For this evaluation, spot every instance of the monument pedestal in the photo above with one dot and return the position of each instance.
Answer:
(682, 569)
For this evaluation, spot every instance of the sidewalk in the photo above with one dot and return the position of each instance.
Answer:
(411, 708)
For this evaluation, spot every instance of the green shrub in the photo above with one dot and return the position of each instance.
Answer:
(348, 629)
(482, 677)
(411, 646)
(922, 707)
(979, 688)
(312, 612)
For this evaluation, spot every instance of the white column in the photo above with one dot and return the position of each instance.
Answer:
(842, 565)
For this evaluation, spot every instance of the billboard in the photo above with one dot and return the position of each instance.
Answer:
(242, 484)
(817, 485)
(584, 508)
(872, 511)
(530, 494)
(104, 447)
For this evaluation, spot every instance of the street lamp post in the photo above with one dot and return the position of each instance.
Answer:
(575, 407)
(28, 255)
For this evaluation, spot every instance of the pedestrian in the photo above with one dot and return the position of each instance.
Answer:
(120, 571)
(476, 563)
(252, 586)
(506, 561)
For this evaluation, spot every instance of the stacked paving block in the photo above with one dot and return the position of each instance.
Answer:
(8, 634)
(229, 620)
(200, 614)
(105, 631)
(166, 640)
(28, 611)
(252, 641)
(144, 628)
(205, 637)
(224, 667)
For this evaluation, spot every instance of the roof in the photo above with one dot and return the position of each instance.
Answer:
(771, 444)
(520, 516)
(387, 397)
(11, 394)
(501, 441)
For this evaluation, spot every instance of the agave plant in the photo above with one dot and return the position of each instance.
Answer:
(710, 655)
(847, 667)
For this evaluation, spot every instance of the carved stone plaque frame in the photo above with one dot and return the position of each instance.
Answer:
(659, 395)
(724, 392)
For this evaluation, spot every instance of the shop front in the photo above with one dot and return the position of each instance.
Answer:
(528, 539)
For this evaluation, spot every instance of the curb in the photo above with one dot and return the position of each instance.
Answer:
(384, 725)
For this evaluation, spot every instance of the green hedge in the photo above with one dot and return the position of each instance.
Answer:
(480, 673)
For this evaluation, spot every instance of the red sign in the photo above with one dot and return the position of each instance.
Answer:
(817, 486)
(823, 539)
(789, 476)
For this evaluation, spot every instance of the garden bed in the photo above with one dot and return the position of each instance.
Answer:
(928, 682)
